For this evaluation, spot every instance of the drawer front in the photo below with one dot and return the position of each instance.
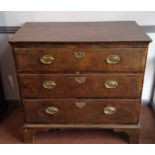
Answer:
(107, 60)
(81, 85)
(81, 111)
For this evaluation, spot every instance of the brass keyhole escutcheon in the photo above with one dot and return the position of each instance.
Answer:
(79, 55)
(80, 104)
(80, 79)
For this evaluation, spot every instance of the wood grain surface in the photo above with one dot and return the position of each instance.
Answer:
(126, 31)
(129, 86)
(93, 112)
(94, 60)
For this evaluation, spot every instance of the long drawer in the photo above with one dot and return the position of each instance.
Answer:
(81, 111)
(89, 60)
(81, 85)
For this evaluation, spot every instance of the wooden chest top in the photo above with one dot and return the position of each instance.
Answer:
(125, 31)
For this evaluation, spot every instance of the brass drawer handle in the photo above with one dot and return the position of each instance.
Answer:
(52, 110)
(80, 79)
(113, 59)
(49, 84)
(79, 55)
(110, 84)
(80, 104)
(46, 59)
(109, 110)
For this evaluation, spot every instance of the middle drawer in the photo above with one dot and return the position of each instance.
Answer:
(81, 85)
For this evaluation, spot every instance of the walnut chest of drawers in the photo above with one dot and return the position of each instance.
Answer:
(80, 75)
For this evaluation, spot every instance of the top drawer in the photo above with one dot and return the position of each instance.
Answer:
(95, 60)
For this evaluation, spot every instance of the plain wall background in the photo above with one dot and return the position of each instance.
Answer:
(17, 18)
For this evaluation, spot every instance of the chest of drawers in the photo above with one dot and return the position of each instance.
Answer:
(80, 75)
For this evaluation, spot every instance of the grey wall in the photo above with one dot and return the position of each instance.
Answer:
(7, 69)
(18, 18)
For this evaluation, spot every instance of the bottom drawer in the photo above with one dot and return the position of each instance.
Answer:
(81, 111)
